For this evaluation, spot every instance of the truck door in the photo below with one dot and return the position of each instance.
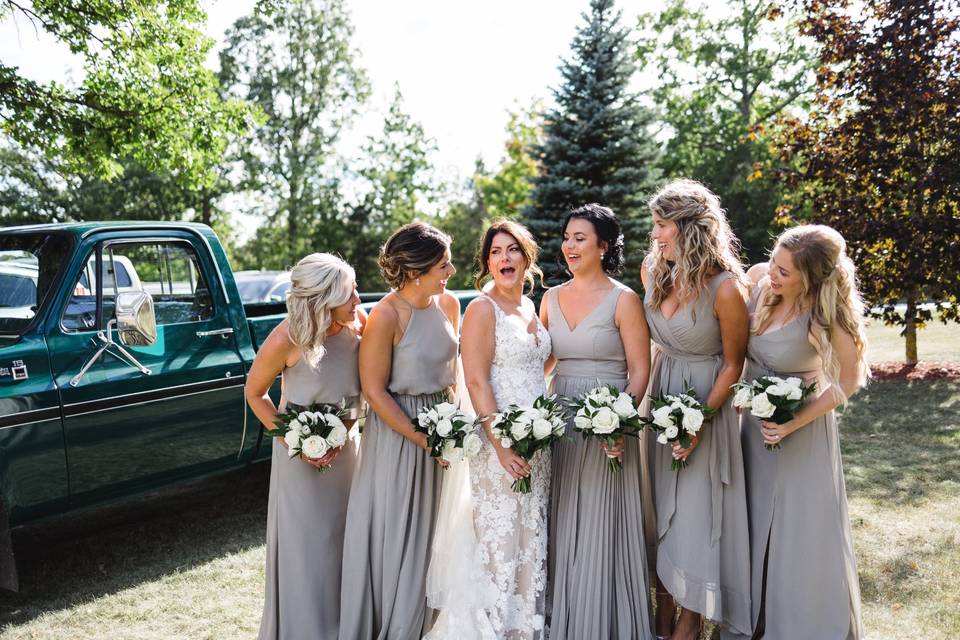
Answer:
(126, 429)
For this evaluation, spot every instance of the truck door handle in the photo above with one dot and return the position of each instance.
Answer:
(215, 332)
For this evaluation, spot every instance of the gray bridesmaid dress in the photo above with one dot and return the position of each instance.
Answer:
(703, 552)
(395, 495)
(307, 510)
(598, 562)
(799, 526)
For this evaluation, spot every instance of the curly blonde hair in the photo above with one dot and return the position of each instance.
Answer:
(318, 283)
(829, 281)
(705, 245)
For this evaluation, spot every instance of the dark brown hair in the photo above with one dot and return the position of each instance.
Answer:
(412, 249)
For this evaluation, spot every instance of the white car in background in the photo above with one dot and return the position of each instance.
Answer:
(262, 286)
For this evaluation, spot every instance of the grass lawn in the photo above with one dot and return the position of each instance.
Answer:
(190, 565)
(936, 341)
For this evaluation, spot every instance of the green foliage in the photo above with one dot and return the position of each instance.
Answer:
(879, 157)
(145, 96)
(722, 81)
(505, 192)
(293, 60)
(597, 143)
(394, 176)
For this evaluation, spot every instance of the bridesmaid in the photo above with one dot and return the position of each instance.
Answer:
(808, 323)
(698, 320)
(315, 351)
(599, 334)
(407, 363)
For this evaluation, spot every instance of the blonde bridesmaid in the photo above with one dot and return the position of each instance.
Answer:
(695, 306)
(315, 352)
(807, 322)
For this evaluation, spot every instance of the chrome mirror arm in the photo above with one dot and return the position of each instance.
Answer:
(106, 338)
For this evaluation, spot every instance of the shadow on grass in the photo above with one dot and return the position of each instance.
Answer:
(80, 557)
(901, 440)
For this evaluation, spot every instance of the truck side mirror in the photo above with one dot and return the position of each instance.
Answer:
(136, 321)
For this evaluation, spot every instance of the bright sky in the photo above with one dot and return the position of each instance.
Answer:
(460, 65)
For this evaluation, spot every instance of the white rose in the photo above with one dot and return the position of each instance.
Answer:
(333, 420)
(433, 416)
(662, 438)
(671, 432)
(794, 392)
(604, 393)
(742, 397)
(662, 417)
(445, 409)
(422, 418)
(761, 406)
(506, 443)
(444, 427)
(541, 428)
(292, 438)
(623, 406)
(305, 430)
(794, 381)
(472, 445)
(305, 417)
(582, 421)
(314, 447)
(451, 452)
(337, 437)
(692, 420)
(529, 415)
(295, 425)
(779, 389)
(605, 421)
(519, 429)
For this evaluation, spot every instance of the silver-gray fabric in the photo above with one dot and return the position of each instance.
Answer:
(703, 555)
(799, 526)
(307, 510)
(395, 495)
(598, 563)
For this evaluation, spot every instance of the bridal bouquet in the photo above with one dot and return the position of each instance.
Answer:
(526, 430)
(312, 431)
(451, 433)
(677, 418)
(609, 414)
(772, 398)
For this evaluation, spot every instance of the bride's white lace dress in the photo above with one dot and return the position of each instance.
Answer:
(510, 528)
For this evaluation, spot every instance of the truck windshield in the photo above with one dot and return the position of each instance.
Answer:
(29, 266)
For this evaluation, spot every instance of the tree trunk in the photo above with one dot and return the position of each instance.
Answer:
(910, 328)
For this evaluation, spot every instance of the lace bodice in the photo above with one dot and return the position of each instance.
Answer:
(511, 527)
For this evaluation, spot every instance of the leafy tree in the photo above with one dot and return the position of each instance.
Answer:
(31, 192)
(145, 95)
(293, 59)
(597, 144)
(464, 221)
(395, 179)
(504, 193)
(722, 81)
(879, 156)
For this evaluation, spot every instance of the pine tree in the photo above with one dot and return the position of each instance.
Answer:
(597, 147)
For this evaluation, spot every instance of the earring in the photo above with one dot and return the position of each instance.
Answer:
(418, 282)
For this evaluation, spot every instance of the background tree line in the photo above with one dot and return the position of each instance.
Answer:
(805, 110)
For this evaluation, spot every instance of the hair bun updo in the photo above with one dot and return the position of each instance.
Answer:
(412, 249)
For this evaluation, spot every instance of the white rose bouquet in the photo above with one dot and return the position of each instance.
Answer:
(772, 398)
(451, 433)
(312, 431)
(607, 413)
(677, 418)
(526, 430)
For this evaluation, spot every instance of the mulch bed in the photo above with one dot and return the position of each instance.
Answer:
(919, 371)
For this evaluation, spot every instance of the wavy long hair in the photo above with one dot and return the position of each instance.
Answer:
(528, 246)
(318, 283)
(704, 244)
(829, 281)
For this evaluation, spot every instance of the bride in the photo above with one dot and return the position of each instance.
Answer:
(489, 580)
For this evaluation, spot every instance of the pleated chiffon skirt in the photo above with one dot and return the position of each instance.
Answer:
(394, 499)
(598, 563)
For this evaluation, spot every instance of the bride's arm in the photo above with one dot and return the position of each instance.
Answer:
(477, 345)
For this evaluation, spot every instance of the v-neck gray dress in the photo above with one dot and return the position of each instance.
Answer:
(395, 494)
(703, 553)
(799, 526)
(307, 510)
(599, 578)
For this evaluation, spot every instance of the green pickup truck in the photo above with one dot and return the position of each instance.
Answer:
(123, 352)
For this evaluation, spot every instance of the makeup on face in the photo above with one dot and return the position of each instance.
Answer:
(784, 277)
(664, 233)
(506, 261)
(581, 245)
